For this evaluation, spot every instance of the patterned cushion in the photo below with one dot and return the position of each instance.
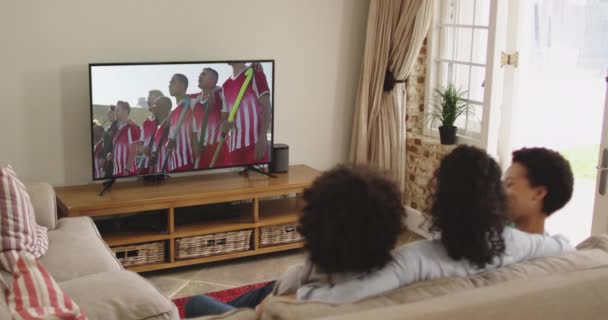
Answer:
(34, 295)
(18, 228)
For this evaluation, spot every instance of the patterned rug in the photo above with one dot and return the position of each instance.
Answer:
(224, 296)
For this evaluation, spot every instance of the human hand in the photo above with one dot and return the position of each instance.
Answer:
(226, 127)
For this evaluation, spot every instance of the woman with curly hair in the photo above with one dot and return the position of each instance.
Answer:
(350, 223)
(469, 206)
(468, 210)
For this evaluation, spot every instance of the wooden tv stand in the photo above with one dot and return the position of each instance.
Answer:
(263, 201)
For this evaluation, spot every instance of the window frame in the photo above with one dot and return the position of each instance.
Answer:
(433, 59)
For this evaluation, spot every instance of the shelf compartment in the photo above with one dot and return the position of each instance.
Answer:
(118, 239)
(137, 227)
(207, 219)
(279, 211)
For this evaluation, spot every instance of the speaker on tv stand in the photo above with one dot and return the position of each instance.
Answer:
(279, 159)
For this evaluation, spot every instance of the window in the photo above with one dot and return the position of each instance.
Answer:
(459, 47)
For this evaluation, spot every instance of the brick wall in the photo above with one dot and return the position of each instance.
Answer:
(414, 87)
(423, 156)
(423, 153)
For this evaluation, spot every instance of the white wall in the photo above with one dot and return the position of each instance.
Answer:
(45, 48)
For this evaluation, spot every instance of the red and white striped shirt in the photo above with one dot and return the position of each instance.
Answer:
(148, 129)
(127, 134)
(247, 124)
(182, 155)
(160, 148)
(212, 132)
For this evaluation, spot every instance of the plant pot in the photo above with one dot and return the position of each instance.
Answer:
(447, 135)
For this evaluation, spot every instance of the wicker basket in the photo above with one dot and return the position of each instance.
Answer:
(279, 234)
(138, 254)
(213, 244)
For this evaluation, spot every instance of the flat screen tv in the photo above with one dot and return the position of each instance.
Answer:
(169, 117)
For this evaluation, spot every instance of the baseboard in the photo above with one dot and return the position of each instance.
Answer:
(417, 223)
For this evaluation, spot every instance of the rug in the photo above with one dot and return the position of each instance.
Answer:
(223, 296)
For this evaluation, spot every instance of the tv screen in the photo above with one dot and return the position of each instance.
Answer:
(158, 118)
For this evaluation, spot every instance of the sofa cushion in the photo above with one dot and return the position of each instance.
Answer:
(33, 294)
(594, 242)
(120, 295)
(580, 294)
(592, 256)
(238, 314)
(18, 228)
(45, 204)
(76, 249)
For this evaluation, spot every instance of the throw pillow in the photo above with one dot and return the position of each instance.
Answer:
(35, 295)
(18, 228)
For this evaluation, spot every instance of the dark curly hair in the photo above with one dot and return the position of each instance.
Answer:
(468, 206)
(550, 169)
(351, 220)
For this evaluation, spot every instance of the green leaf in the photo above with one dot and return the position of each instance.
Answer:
(448, 104)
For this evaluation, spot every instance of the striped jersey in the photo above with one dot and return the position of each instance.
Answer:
(148, 129)
(160, 147)
(212, 132)
(247, 120)
(126, 136)
(182, 155)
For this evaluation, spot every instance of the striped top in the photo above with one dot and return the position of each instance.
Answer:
(249, 114)
(18, 228)
(182, 155)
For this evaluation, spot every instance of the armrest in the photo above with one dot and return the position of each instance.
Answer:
(45, 205)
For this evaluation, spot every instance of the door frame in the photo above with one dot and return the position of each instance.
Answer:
(600, 208)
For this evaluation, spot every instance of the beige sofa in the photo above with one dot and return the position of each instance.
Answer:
(86, 269)
(570, 286)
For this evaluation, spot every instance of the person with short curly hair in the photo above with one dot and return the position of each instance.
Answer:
(350, 222)
(468, 212)
(539, 182)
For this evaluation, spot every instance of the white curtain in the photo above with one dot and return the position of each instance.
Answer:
(396, 30)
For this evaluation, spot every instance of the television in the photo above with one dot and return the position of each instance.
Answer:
(170, 117)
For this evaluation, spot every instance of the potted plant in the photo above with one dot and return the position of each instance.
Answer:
(450, 103)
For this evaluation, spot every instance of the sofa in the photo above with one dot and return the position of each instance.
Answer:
(88, 271)
(570, 286)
